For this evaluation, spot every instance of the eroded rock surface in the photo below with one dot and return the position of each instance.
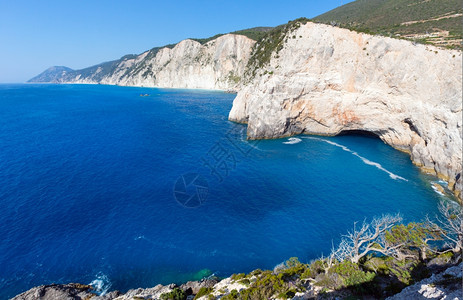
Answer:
(69, 291)
(445, 285)
(218, 64)
(326, 80)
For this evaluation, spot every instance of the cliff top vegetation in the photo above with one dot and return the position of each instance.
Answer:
(437, 22)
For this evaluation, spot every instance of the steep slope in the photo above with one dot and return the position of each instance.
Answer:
(139, 70)
(217, 64)
(438, 22)
(326, 80)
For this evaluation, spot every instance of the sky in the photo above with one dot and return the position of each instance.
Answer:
(35, 35)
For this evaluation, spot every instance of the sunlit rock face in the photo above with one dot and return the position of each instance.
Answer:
(218, 64)
(326, 80)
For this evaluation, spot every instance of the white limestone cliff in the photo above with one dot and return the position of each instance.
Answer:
(218, 64)
(326, 80)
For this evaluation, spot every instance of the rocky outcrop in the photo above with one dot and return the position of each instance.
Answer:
(190, 289)
(218, 64)
(81, 291)
(69, 291)
(445, 285)
(326, 80)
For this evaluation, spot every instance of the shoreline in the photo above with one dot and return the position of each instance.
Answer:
(232, 91)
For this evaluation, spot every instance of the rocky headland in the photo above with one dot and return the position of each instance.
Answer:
(325, 80)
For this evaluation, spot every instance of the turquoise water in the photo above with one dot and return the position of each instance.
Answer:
(91, 188)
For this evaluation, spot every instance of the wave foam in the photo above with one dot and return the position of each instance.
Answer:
(292, 140)
(365, 160)
(101, 284)
(435, 187)
(436, 190)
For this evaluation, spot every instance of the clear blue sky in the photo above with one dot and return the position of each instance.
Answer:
(35, 35)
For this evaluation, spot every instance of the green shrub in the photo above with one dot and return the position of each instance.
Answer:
(359, 277)
(344, 268)
(175, 294)
(288, 294)
(232, 295)
(291, 269)
(269, 44)
(447, 256)
(402, 275)
(412, 236)
(266, 285)
(233, 78)
(406, 272)
(344, 274)
(203, 292)
(376, 264)
(329, 281)
(238, 276)
(316, 267)
(256, 272)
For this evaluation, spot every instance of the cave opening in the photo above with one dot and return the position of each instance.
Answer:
(359, 132)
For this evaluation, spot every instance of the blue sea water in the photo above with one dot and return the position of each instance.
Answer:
(91, 188)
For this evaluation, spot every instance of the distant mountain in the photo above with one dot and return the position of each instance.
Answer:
(53, 74)
(437, 22)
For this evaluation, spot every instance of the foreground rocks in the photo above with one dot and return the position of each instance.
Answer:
(78, 291)
(445, 284)
(327, 80)
(57, 291)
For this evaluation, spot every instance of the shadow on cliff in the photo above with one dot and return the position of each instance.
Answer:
(388, 282)
(358, 132)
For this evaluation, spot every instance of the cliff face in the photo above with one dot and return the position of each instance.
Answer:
(326, 80)
(218, 64)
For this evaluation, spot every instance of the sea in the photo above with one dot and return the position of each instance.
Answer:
(127, 187)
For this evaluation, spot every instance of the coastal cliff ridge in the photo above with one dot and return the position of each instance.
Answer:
(326, 80)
